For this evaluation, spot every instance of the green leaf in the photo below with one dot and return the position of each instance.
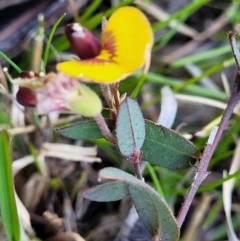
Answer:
(130, 127)
(154, 212)
(151, 208)
(110, 173)
(108, 192)
(164, 147)
(7, 199)
(83, 129)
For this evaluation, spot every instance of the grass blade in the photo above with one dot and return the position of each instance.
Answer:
(7, 199)
(46, 52)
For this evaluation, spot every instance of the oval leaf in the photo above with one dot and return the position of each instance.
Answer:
(83, 129)
(154, 212)
(110, 173)
(151, 208)
(107, 192)
(165, 147)
(162, 146)
(130, 127)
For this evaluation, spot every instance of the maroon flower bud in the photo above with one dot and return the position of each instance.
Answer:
(84, 44)
(26, 97)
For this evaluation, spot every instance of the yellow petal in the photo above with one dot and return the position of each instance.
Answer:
(93, 70)
(128, 36)
(126, 44)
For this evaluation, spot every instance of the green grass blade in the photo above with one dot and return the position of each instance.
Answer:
(218, 183)
(5, 57)
(163, 40)
(35, 158)
(7, 199)
(212, 70)
(213, 212)
(138, 86)
(89, 11)
(189, 8)
(155, 180)
(175, 83)
(46, 52)
(210, 54)
(96, 20)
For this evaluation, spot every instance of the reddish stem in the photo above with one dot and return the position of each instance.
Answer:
(104, 128)
(107, 94)
(135, 159)
(201, 172)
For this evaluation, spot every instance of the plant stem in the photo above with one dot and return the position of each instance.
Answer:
(201, 172)
(114, 88)
(234, 47)
(104, 128)
(107, 94)
(135, 159)
(137, 171)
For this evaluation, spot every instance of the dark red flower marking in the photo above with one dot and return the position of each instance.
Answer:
(108, 40)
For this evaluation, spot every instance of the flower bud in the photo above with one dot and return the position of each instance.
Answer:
(26, 97)
(84, 44)
(87, 103)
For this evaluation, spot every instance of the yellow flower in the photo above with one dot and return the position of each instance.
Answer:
(126, 40)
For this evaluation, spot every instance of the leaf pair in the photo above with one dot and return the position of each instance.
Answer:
(162, 146)
(151, 208)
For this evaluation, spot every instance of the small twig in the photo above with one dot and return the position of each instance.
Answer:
(200, 175)
(213, 140)
(201, 172)
(104, 129)
(234, 47)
